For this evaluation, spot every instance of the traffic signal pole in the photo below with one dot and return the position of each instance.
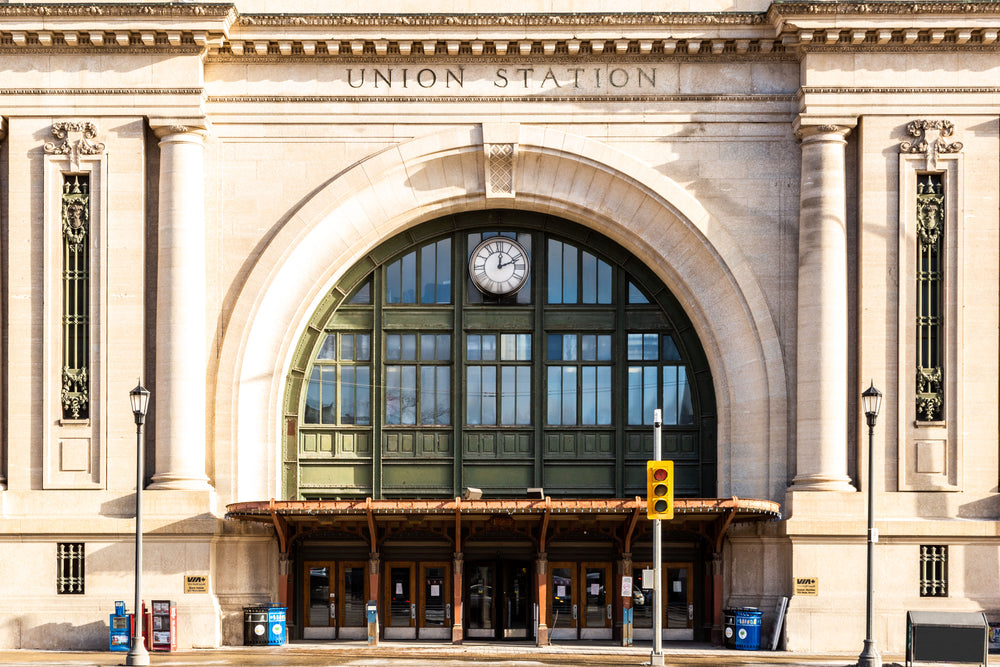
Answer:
(656, 657)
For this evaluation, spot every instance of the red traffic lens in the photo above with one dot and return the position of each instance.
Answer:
(660, 474)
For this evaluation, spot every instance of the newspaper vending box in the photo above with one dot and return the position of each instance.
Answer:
(164, 622)
(120, 629)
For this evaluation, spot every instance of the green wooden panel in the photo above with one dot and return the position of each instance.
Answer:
(334, 475)
(354, 275)
(309, 443)
(507, 479)
(354, 443)
(416, 444)
(514, 444)
(593, 479)
(418, 318)
(351, 318)
(640, 444)
(645, 320)
(488, 318)
(687, 482)
(595, 444)
(411, 476)
(576, 320)
(480, 444)
(688, 443)
(290, 480)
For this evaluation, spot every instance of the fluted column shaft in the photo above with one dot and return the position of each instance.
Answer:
(821, 424)
(180, 311)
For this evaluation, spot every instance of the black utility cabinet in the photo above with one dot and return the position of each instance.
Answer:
(946, 636)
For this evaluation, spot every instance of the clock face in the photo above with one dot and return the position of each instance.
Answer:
(499, 266)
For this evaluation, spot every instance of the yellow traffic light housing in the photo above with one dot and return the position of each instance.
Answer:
(659, 489)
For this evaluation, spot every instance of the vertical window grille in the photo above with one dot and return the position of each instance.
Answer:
(933, 571)
(76, 297)
(930, 230)
(69, 577)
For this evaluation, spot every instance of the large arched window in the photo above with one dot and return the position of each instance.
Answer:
(416, 379)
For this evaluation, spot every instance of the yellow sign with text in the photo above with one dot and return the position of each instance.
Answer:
(806, 586)
(195, 583)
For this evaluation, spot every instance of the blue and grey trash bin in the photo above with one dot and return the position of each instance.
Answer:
(747, 627)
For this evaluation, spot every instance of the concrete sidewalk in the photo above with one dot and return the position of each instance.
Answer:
(423, 653)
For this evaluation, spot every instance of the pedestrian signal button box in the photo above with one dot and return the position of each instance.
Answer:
(659, 489)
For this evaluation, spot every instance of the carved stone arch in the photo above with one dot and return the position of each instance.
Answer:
(562, 174)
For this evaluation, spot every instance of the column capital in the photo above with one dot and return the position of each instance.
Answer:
(196, 125)
(805, 126)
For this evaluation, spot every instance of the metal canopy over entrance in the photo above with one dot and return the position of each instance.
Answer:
(485, 567)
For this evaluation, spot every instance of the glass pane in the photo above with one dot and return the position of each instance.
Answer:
(650, 350)
(473, 398)
(635, 295)
(392, 347)
(648, 393)
(444, 271)
(508, 394)
(392, 283)
(562, 598)
(588, 395)
(434, 598)
(428, 395)
(555, 271)
(408, 395)
(363, 295)
(603, 282)
(604, 348)
(524, 295)
(363, 351)
(399, 597)
(409, 278)
(443, 395)
(569, 348)
(354, 598)
(489, 394)
(634, 347)
(347, 384)
(319, 596)
(604, 395)
(392, 395)
(408, 347)
(523, 395)
(670, 352)
(524, 347)
(443, 351)
(473, 347)
(554, 392)
(677, 598)
(347, 347)
(362, 395)
(489, 347)
(588, 347)
(569, 395)
(588, 278)
(311, 415)
(635, 395)
(670, 395)
(428, 347)
(555, 347)
(480, 612)
(595, 613)
(508, 347)
(569, 276)
(329, 393)
(428, 274)
(328, 350)
(642, 602)
(685, 410)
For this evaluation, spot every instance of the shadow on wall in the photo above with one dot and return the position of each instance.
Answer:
(67, 636)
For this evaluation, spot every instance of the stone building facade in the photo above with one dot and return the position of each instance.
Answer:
(739, 212)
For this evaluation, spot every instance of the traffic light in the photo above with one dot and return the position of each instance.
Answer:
(659, 489)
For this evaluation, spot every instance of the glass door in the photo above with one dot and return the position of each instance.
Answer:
(678, 623)
(400, 622)
(595, 621)
(563, 609)
(320, 600)
(517, 601)
(352, 595)
(435, 601)
(480, 613)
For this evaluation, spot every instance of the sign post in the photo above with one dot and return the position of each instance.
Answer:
(656, 657)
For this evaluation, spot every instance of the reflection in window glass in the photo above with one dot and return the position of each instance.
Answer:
(641, 392)
(562, 592)
(595, 395)
(328, 350)
(670, 351)
(643, 347)
(434, 271)
(677, 409)
(635, 295)
(354, 597)
(363, 296)
(321, 396)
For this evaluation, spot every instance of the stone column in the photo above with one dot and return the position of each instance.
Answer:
(542, 585)
(457, 634)
(821, 423)
(179, 394)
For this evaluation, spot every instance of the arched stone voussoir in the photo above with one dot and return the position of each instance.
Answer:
(566, 175)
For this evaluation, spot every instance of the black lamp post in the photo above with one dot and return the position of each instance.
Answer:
(871, 400)
(137, 655)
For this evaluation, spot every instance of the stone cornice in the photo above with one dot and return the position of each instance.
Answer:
(919, 8)
(131, 10)
(505, 20)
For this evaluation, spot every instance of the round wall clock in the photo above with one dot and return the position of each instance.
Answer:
(499, 266)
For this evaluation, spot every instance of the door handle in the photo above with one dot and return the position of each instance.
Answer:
(609, 612)
(447, 611)
(574, 612)
(413, 610)
(333, 609)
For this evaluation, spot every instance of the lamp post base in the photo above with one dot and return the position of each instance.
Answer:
(137, 655)
(869, 655)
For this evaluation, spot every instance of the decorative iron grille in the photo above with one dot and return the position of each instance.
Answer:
(930, 322)
(76, 297)
(933, 571)
(69, 579)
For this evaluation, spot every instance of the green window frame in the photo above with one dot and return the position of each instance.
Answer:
(930, 297)
(498, 379)
(75, 396)
(417, 379)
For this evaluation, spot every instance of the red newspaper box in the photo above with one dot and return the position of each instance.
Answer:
(163, 619)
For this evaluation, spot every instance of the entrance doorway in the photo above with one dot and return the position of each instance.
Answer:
(336, 593)
(417, 598)
(580, 600)
(498, 600)
(678, 602)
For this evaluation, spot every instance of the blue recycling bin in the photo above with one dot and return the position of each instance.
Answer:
(746, 623)
(275, 626)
